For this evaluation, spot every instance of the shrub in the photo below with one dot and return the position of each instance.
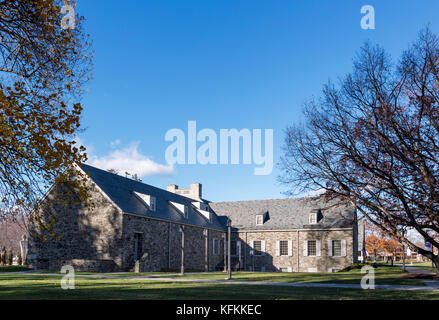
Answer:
(357, 266)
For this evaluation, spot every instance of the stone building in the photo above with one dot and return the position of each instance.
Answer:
(133, 225)
(130, 221)
(291, 235)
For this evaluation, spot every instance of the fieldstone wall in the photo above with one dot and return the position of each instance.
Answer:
(297, 262)
(161, 242)
(101, 239)
(82, 236)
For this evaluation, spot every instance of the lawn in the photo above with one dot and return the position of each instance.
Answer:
(141, 274)
(383, 275)
(126, 274)
(24, 286)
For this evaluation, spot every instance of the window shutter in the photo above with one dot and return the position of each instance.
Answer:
(263, 248)
(290, 247)
(252, 245)
(343, 248)
(278, 248)
(318, 248)
(305, 248)
(329, 248)
(217, 243)
(238, 248)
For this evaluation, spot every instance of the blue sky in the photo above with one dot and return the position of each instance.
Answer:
(225, 64)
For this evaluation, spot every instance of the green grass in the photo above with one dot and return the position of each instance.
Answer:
(141, 274)
(13, 268)
(59, 272)
(383, 275)
(128, 274)
(24, 286)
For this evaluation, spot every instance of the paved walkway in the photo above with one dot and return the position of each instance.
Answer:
(165, 278)
(434, 284)
(417, 270)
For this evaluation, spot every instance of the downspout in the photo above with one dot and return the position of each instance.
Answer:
(169, 246)
(245, 252)
(298, 252)
(206, 250)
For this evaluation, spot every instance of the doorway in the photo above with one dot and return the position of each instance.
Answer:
(137, 250)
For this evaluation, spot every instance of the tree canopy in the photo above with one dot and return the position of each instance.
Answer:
(373, 138)
(43, 72)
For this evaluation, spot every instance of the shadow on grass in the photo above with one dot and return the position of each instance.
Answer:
(383, 275)
(40, 287)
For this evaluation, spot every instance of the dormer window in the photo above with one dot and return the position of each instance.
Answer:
(313, 218)
(148, 200)
(152, 204)
(259, 220)
(181, 208)
(203, 209)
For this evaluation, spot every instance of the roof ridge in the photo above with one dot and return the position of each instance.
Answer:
(138, 182)
(260, 200)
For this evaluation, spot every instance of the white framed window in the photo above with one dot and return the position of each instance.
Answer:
(259, 220)
(283, 248)
(258, 247)
(152, 204)
(336, 248)
(216, 247)
(312, 248)
(148, 200)
(313, 218)
(235, 247)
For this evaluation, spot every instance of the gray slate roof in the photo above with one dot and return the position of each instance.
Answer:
(286, 214)
(120, 190)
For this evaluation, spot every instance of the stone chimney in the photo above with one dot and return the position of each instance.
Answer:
(193, 192)
(196, 190)
(172, 188)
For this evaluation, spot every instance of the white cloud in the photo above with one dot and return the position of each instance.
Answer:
(115, 143)
(129, 159)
